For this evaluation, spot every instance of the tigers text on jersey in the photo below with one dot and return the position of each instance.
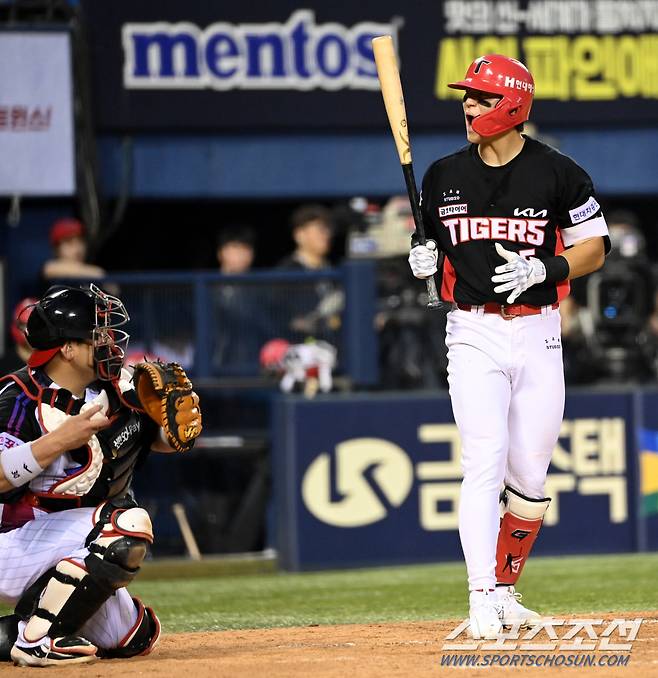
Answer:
(537, 204)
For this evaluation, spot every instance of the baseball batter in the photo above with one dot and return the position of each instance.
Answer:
(72, 538)
(516, 220)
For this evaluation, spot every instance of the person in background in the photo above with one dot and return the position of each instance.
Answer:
(69, 244)
(16, 358)
(312, 230)
(315, 310)
(239, 309)
(235, 249)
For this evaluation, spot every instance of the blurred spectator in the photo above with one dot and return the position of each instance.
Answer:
(312, 227)
(315, 310)
(68, 240)
(239, 311)
(17, 355)
(235, 250)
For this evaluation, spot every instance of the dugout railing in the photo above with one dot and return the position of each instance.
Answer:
(215, 325)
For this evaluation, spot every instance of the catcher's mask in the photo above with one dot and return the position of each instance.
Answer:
(505, 77)
(70, 313)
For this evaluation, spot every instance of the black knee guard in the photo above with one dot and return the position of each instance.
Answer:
(74, 592)
(141, 639)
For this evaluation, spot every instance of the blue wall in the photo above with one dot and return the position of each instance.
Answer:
(621, 162)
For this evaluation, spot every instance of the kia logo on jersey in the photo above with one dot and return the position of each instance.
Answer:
(529, 212)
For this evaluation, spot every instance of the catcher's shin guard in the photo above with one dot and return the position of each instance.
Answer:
(75, 591)
(519, 526)
(141, 639)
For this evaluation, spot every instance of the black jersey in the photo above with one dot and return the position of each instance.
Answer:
(536, 204)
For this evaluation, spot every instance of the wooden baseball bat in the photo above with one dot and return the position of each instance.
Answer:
(389, 80)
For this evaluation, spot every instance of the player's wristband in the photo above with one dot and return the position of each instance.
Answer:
(19, 465)
(557, 269)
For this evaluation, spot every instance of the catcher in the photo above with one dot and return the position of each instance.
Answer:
(73, 425)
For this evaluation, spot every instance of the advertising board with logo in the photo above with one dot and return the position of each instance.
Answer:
(375, 479)
(647, 440)
(36, 114)
(200, 65)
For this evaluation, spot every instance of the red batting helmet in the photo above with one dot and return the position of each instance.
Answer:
(506, 77)
(273, 352)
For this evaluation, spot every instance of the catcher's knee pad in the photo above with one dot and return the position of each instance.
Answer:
(75, 591)
(519, 526)
(141, 639)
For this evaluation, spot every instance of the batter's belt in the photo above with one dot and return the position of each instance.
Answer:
(505, 311)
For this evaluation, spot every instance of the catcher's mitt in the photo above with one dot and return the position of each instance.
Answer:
(166, 394)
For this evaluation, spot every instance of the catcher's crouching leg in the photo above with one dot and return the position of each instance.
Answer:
(68, 595)
(140, 640)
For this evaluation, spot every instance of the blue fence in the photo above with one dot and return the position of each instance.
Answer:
(215, 325)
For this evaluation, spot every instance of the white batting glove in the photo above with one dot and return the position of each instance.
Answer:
(423, 260)
(517, 274)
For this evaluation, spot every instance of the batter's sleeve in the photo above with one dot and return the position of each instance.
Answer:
(17, 426)
(579, 213)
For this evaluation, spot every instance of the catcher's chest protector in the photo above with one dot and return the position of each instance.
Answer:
(121, 442)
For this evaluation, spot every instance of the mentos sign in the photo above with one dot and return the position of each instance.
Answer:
(298, 54)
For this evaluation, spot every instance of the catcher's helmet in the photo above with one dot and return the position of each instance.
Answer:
(70, 313)
(506, 77)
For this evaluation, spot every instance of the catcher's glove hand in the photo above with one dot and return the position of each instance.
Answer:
(166, 394)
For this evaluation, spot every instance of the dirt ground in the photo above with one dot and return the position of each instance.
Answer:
(353, 651)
